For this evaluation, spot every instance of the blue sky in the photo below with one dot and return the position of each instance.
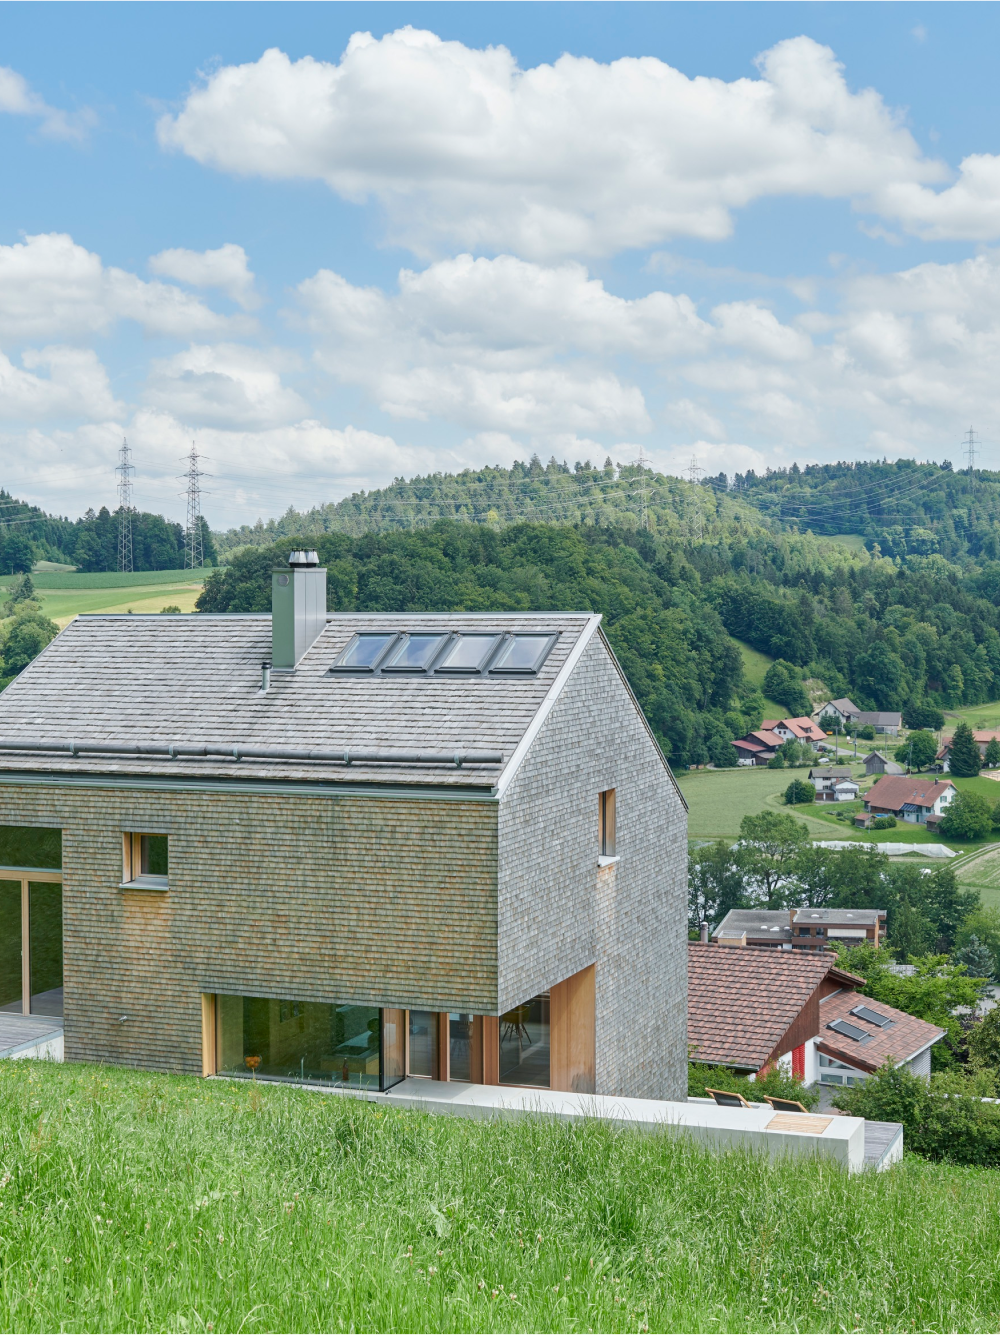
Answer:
(747, 233)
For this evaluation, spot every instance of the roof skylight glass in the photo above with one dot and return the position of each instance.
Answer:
(363, 653)
(468, 654)
(848, 1030)
(523, 654)
(873, 1017)
(415, 654)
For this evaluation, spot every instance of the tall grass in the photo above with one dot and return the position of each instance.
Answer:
(137, 1202)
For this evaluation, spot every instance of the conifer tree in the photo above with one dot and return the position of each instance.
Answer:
(964, 760)
(992, 758)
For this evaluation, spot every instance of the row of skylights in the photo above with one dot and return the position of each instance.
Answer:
(400, 653)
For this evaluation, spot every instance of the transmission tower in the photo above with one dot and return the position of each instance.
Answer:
(694, 474)
(970, 443)
(194, 546)
(643, 490)
(125, 469)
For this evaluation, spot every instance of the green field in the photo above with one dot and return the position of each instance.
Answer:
(755, 665)
(105, 579)
(62, 605)
(139, 1202)
(977, 716)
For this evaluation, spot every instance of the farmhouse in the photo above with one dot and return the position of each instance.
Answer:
(753, 1009)
(909, 798)
(758, 747)
(834, 783)
(982, 738)
(344, 849)
(842, 712)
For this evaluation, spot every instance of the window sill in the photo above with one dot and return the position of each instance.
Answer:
(607, 862)
(146, 883)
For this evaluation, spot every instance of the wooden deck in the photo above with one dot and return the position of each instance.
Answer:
(18, 1030)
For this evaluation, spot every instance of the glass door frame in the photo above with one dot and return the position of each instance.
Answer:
(26, 875)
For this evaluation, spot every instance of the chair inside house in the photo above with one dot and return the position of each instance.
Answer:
(785, 1105)
(727, 1098)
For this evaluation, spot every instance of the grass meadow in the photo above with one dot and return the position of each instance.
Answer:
(137, 1202)
(64, 595)
(755, 665)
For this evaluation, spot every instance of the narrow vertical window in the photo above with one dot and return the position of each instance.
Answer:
(606, 809)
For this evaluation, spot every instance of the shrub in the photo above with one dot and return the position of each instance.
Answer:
(946, 1119)
(777, 761)
(884, 823)
(779, 1084)
(867, 733)
(799, 792)
(968, 816)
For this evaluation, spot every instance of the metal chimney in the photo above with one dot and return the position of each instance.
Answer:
(703, 933)
(298, 609)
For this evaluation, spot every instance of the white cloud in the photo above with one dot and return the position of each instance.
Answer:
(226, 268)
(76, 386)
(226, 385)
(52, 287)
(577, 157)
(17, 98)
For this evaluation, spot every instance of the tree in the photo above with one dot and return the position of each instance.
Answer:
(19, 590)
(977, 958)
(984, 925)
(799, 792)
(964, 760)
(17, 554)
(919, 751)
(968, 816)
(984, 1043)
(916, 714)
(767, 855)
(783, 683)
(25, 638)
(777, 761)
(992, 758)
(715, 884)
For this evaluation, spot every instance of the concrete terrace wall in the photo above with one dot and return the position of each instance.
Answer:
(559, 913)
(389, 901)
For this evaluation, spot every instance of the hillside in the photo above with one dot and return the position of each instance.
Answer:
(142, 1202)
(885, 633)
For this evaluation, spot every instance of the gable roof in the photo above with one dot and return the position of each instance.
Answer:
(843, 704)
(895, 791)
(195, 679)
(831, 772)
(741, 1003)
(901, 1041)
(881, 718)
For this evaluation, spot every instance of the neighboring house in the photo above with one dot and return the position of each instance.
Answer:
(885, 721)
(807, 928)
(834, 783)
(754, 1009)
(757, 748)
(842, 711)
(345, 849)
(909, 798)
(877, 763)
(982, 738)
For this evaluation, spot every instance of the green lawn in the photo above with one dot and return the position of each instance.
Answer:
(135, 1202)
(62, 605)
(60, 578)
(977, 716)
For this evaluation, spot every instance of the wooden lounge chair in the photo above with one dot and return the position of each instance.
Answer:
(727, 1098)
(785, 1105)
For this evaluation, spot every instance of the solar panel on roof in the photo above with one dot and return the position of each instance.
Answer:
(873, 1017)
(849, 1030)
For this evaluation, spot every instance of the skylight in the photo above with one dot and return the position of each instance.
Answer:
(468, 654)
(523, 654)
(873, 1017)
(363, 653)
(849, 1030)
(415, 654)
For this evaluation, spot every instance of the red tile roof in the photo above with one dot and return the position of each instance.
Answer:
(741, 1001)
(893, 790)
(902, 1040)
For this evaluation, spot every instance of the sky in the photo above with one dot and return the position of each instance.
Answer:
(335, 244)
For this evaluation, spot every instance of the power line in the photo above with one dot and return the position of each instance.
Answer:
(125, 470)
(194, 541)
(970, 443)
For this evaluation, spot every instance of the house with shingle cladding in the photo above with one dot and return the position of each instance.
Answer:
(345, 849)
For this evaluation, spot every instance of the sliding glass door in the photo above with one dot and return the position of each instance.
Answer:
(31, 933)
(11, 972)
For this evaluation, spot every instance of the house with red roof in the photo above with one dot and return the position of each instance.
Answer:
(758, 747)
(753, 1009)
(981, 736)
(919, 801)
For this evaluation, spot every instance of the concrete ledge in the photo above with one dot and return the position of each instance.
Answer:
(47, 1048)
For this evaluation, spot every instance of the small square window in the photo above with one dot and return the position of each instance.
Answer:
(145, 860)
(606, 811)
(363, 653)
(523, 655)
(415, 654)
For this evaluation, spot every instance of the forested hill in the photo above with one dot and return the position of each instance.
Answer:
(886, 633)
(903, 508)
(527, 492)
